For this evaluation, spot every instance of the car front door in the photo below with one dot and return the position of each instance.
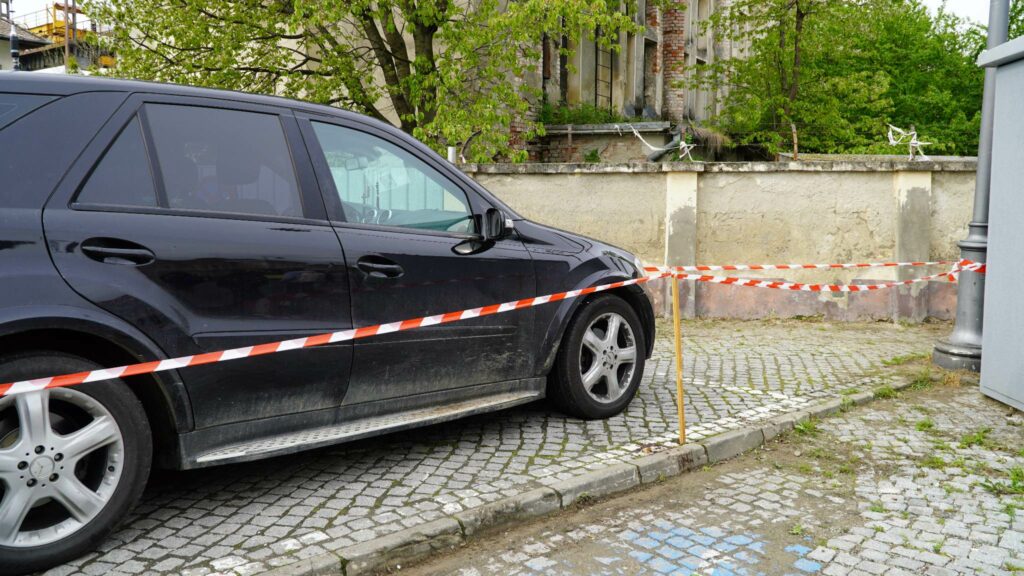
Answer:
(192, 219)
(409, 235)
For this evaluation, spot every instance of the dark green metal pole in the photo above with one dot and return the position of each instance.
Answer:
(962, 350)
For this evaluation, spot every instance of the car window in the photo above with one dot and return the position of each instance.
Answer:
(224, 160)
(378, 182)
(122, 176)
(14, 106)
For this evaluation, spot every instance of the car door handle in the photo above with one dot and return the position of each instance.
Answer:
(115, 251)
(379, 267)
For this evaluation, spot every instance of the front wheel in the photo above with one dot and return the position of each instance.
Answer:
(601, 360)
(73, 461)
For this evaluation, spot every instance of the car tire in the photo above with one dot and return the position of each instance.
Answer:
(104, 430)
(587, 350)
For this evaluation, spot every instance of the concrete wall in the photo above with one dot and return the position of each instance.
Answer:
(584, 202)
(763, 213)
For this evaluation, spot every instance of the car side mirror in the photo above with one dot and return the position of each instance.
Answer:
(495, 225)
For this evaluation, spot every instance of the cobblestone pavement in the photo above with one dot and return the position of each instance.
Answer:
(247, 518)
(929, 483)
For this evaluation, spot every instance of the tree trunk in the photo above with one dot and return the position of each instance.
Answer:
(426, 65)
(391, 75)
(794, 85)
(796, 142)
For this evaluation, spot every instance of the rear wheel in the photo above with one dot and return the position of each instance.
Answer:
(73, 461)
(601, 360)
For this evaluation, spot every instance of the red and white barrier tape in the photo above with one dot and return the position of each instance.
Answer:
(307, 342)
(743, 267)
(681, 272)
(799, 287)
(367, 331)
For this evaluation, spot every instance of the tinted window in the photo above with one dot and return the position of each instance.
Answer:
(122, 176)
(380, 183)
(14, 106)
(224, 160)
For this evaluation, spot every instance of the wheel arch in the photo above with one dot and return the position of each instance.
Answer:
(163, 396)
(634, 295)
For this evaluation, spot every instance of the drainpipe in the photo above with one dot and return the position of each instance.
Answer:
(962, 350)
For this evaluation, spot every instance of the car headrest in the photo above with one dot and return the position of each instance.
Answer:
(180, 174)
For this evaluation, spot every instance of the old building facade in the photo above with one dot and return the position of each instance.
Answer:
(644, 80)
(645, 76)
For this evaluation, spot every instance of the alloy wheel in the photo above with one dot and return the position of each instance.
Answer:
(607, 357)
(61, 459)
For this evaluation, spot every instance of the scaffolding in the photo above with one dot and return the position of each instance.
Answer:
(59, 23)
(71, 33)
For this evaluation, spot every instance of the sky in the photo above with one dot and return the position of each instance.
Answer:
(976, 10)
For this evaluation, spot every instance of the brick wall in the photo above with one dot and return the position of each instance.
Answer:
(673, 48)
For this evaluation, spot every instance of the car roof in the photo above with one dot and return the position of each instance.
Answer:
(66, 85)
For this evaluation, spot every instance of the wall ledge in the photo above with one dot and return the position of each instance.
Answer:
(954, 165)
(620, 129)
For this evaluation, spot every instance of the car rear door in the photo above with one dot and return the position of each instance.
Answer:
(198, 221)
(408, 231)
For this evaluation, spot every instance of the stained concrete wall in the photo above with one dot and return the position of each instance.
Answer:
(734, 213)
(589, 203)
(801, 216)
(952, 202)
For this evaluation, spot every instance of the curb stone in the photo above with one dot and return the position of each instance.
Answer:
(539, 502)
(419, 542)
(732, 443)
(861, 398)
(826, 408)
(671, 462)
(781, 424)
(602, 482)
(409, 544)
(321, 565)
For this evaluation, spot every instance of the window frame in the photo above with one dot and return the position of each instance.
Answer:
(329, 191)
(313, 209)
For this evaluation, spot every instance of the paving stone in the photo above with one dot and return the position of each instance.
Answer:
(949, 520)
(736, 375)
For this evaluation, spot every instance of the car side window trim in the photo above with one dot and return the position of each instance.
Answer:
(154, 164)
(184, 212)
(329, 191)
(121, 127)
(136, 108)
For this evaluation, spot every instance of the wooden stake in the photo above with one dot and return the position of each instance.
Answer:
(677, 321)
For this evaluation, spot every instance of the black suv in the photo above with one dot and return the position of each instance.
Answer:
(144, 221)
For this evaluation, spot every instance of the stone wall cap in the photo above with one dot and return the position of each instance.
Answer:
(951, 165)
(613, 128)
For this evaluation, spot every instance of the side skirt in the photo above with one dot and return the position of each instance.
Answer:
(281, 435)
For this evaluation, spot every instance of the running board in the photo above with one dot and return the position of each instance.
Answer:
(362, 428)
